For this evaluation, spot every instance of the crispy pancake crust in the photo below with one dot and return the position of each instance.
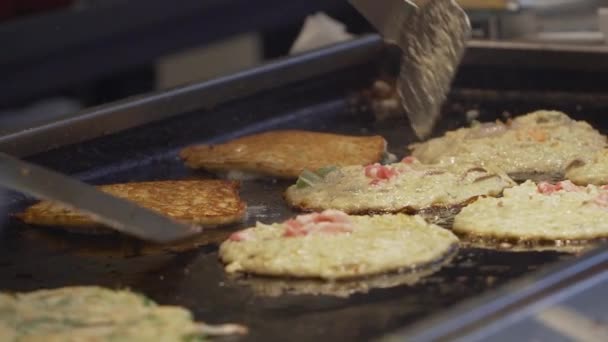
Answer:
(285, 154)
(204, 202)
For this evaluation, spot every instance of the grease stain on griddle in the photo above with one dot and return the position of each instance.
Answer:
(119, 246)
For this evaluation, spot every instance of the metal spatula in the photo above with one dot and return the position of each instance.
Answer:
(432, 35)
(122, 215)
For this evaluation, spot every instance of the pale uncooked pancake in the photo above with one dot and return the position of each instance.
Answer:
(593, 170)
(89, 313)
(333, 245)
(406, 186)
(538, 212)
(540, 142)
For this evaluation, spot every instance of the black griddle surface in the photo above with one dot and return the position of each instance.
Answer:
(32, 258)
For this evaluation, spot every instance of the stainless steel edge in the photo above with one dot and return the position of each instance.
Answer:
(136, 111)
(515, 54)
(500, 304)
(122, 215)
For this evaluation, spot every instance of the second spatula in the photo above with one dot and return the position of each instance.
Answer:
(432, 35)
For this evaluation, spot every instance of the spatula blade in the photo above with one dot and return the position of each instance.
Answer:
(117, 213)
(432, 35)
(433, 43)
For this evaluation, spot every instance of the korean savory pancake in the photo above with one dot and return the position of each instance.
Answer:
(334, 245)
(541, 142)
(90, 313)
(407, 186)
(538, 212)
(592, 170)
(275, 287)
(284, 154)
(201, 202)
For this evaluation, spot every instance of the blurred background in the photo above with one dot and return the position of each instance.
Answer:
(59, 57)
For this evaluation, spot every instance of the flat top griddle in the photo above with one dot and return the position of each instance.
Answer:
(138, 139)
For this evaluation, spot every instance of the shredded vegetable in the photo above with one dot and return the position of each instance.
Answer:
(309, 178)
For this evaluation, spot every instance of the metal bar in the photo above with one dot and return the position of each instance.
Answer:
(137, 111)
(157, 106)
(537, 55)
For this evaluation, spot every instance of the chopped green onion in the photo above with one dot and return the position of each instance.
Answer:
(324, 171)
(308, 178)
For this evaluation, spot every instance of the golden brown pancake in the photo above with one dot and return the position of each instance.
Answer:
(285, 154)
(203, 202)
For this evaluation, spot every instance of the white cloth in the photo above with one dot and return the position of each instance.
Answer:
(319, 30)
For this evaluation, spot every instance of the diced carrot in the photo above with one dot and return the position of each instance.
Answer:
(380, 173)
(328, 221)
(241, 235)
(295, 231)
(408, 160)
(548, 188)
(538, 135)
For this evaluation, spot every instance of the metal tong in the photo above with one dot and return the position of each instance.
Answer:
(432, 35)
